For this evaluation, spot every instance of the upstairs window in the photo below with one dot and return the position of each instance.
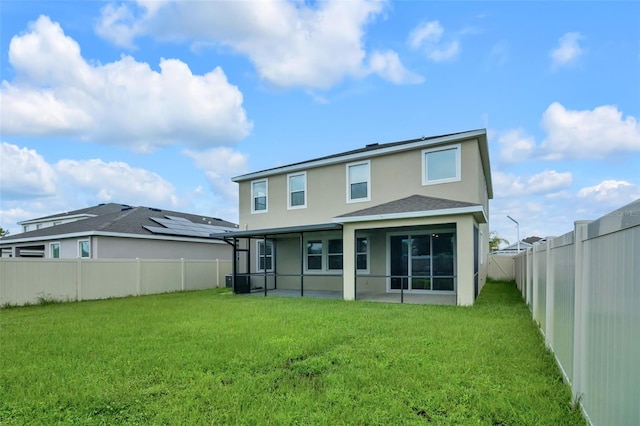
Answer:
(259, 194)
(359, 182)
(297, 190)
(441, 165)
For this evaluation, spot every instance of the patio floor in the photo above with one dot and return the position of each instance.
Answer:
(413, 298)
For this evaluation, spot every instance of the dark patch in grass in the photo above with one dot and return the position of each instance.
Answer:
(421, 413)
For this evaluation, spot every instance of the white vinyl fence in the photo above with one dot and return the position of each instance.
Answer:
(583, 289)
(25, 281)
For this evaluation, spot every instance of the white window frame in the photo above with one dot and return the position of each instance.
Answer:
(456, 178)
(272, 256)
(348, 179)
(25, 228)
(51, 249)
(303, 205)
(253, 198)
(324, 256)
(80, 250)
(329, 255)
(368, 253)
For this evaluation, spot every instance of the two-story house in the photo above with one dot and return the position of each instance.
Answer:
(401, 221)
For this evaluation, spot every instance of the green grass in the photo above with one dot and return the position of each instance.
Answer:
(211, 357)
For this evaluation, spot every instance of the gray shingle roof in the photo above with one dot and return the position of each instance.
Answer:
(413, 203)
(116, 218)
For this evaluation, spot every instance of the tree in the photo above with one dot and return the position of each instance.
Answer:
(4, 232)
(495, 240)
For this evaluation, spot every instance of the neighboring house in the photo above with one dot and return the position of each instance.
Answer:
(117, 231)
(524, 245)
(408, 217)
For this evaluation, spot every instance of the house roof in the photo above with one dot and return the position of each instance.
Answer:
(98, 210)
(375, 149)
(414, 206)
(122, 219)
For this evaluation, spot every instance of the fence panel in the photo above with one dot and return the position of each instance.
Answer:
(160, 276)
(501, 267)
(24, 281)
(104, 278)
(562, 267)
(590, 298)
(612, 374)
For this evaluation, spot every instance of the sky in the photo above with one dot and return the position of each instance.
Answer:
(160, 103)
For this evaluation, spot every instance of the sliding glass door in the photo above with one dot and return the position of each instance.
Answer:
(422, 261)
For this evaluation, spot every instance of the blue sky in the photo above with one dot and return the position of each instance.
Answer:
(160, 103)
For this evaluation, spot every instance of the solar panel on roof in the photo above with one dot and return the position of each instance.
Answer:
(172, 225)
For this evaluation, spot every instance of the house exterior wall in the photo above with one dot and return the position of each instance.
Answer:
(327, 188)
(106, 247)
(131, 248)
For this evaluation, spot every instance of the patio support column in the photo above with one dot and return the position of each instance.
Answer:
(464, 253)
(349, 261)
(264, 241)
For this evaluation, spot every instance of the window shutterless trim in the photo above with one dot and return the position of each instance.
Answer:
(303, 205)
(51, 244)
(266, 196)
(349, 183)
(458, 160)
(80, 248)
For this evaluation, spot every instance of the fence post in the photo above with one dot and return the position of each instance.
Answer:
(581, 300)
(217, 273)
(183, 272)
(550, 296)
(534, 282)
(138, 276)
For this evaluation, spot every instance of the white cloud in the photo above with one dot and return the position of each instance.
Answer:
(615, 193)
(427, 36)
(117, 182)
(388, 66)
(589, 133)
(24, 173)
(547, 181)
(57, 92)
(290, 43)
(568, 50)
(427, 32)
(220, 165)
(516, 146)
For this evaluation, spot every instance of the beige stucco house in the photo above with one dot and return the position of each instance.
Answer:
(403, 221)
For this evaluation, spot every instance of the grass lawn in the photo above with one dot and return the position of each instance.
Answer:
(211, 357)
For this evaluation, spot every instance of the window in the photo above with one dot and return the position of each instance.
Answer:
(297, 189)
(25, 228)
(54, 250)
(259, 193)
(83, 248)
(57, 223)
(441, 165)
(38, 226)
(334, 255)
(265, 255)
(314, 255)
(358, 182)
(362, 254)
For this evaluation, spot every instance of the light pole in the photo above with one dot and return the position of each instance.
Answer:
(517, 230)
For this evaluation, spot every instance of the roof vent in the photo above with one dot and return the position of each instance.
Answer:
(125, 208)
(371, 145)
(154, 209)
